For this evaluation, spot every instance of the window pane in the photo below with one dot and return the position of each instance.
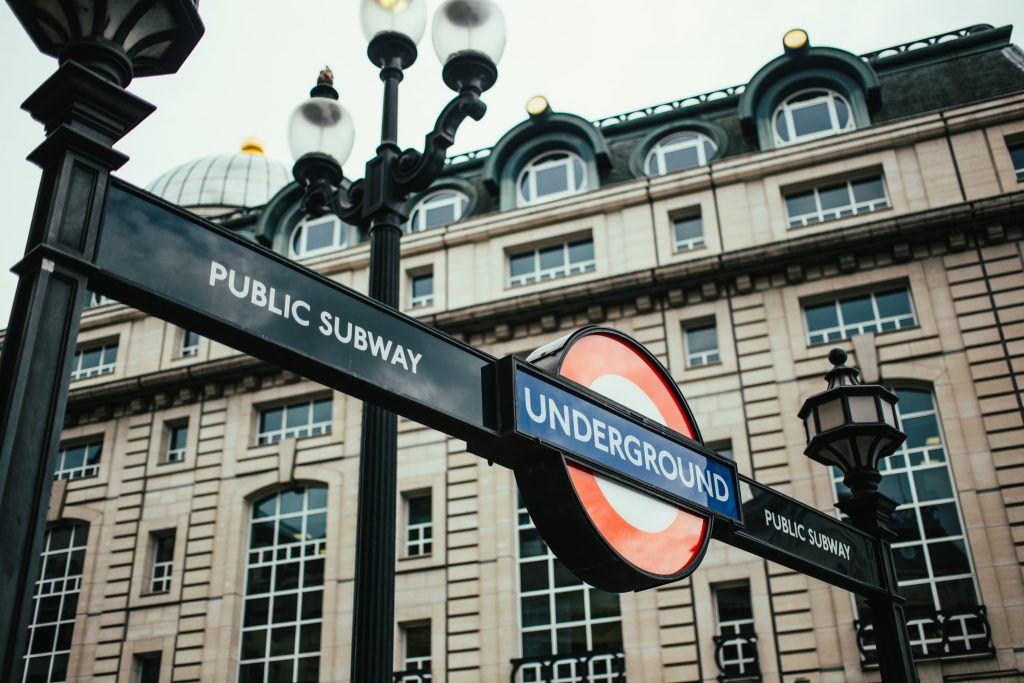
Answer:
(910, 563)
(581, 251)
(1017, 157)
(842, 112)
(801, 204)
(912, 401)
(678, 159)
(423, 285)
(811, 119)
(949, 558)
(322, 410)
(419, 510)
(868, 189)
(552, 257)
(439, 215)
(701, 339)
(551, 180)
(319, 235)
(857, 310)
(536, 610)
(521, 264)
(834, 196)
(891, 304)
(689, 228)
(821, 317)
(733, 603)
(270, 420)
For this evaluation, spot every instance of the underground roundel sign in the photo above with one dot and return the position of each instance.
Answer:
(612, 536)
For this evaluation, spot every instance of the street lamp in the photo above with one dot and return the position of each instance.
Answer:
(469, 38)
(85, 110)
(851, 426)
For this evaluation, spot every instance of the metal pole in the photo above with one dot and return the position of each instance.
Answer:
(83, 114)
(870, 512)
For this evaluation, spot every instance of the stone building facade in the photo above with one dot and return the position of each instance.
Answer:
(204, 511)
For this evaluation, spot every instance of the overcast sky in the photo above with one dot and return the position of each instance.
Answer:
(259, 58)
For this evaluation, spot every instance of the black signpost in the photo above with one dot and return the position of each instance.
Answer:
(123, 242)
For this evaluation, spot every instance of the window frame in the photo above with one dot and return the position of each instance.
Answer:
(417, 666)
(172, 453)
(1016, 149)
(566, 269)
(690, 243)
(419, 536)
(742, 661)
(273, 436)
(188, 345)
(85, 470)
(786, 108)
(854, 207)
(838, 297)
(459, 201)
(705, 358)
(300, 232)
(423, 300)
(665, 145)
(540, 163)
(104, 367)
(161, 568)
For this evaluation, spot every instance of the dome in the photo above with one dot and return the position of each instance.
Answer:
(245, 179)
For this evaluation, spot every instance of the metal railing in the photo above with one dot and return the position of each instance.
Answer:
(736, 657)
(924, 42)
(412, 676)
(942, 634)
(595, 666)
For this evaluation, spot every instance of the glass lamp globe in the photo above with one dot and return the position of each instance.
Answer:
(408, 17)
(321, 124)
(469, 25)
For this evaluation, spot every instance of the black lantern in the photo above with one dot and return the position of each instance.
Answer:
(851, 425)
(119, 38)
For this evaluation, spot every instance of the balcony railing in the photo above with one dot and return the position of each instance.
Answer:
(596, 666)
(943, 634)
(736, 657)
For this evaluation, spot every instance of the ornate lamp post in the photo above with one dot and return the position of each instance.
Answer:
(84, 109)
(469, 37)
(852, 426)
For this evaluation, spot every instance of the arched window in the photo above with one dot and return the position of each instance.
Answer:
(443, 207)
(562, 618)
(811, 114)
(54, 603)
(679, 151)
(933, 562)
(550, 176)
(284, 587)
(318, 236)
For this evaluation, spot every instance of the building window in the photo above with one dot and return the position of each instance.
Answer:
(189, 343)
(438, 208)
(422, 290)
(78, 462)
(177, 442)
(874, 312)
(679, 151)
(811, 114)
(162, 548)
(284, 587)
(1017, 157)
(701, 345)
(318, 236)
(550, 176)
(147, 668)
(561, 615)
(548, 263)
(933, 564)
(737, 655)
(416, 646)
(688, 232)
(723, 448)
(54, 604)
(93, 361)
(419, 528)
(306, 418)
(829, 202)
(98, 300)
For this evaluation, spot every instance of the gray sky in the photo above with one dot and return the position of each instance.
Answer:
(259, 58)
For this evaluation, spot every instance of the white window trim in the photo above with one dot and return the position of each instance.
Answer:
(540, 275)
(79, 372)
(418, 218)
(82, 471)
(424, 300)
(845, 331)
(697, 359)
(308, 429)
(663, 146)
(823, 215)
(186, 350)
(734, 627)
(690, 243)
(828, 96)
(176, 454)
(340, 237)
(419, 537)
(533, 167)
(418, 668)
(1018, 170)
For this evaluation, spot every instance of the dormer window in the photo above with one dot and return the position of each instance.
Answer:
(318, 236)
(679, 151)
(550, 176)
(438, 208)
(811, 114)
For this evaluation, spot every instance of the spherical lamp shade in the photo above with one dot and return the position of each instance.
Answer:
(408, 17)
(469, 25)
(321, 124)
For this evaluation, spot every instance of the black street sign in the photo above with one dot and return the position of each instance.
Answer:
(169, 262)
(798, 536)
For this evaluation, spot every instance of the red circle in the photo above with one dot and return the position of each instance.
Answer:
(665, 552)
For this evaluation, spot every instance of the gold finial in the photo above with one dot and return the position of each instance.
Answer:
(252, 145)
(537, 105)
(795, 39)
(326, 76)
(395, 6)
